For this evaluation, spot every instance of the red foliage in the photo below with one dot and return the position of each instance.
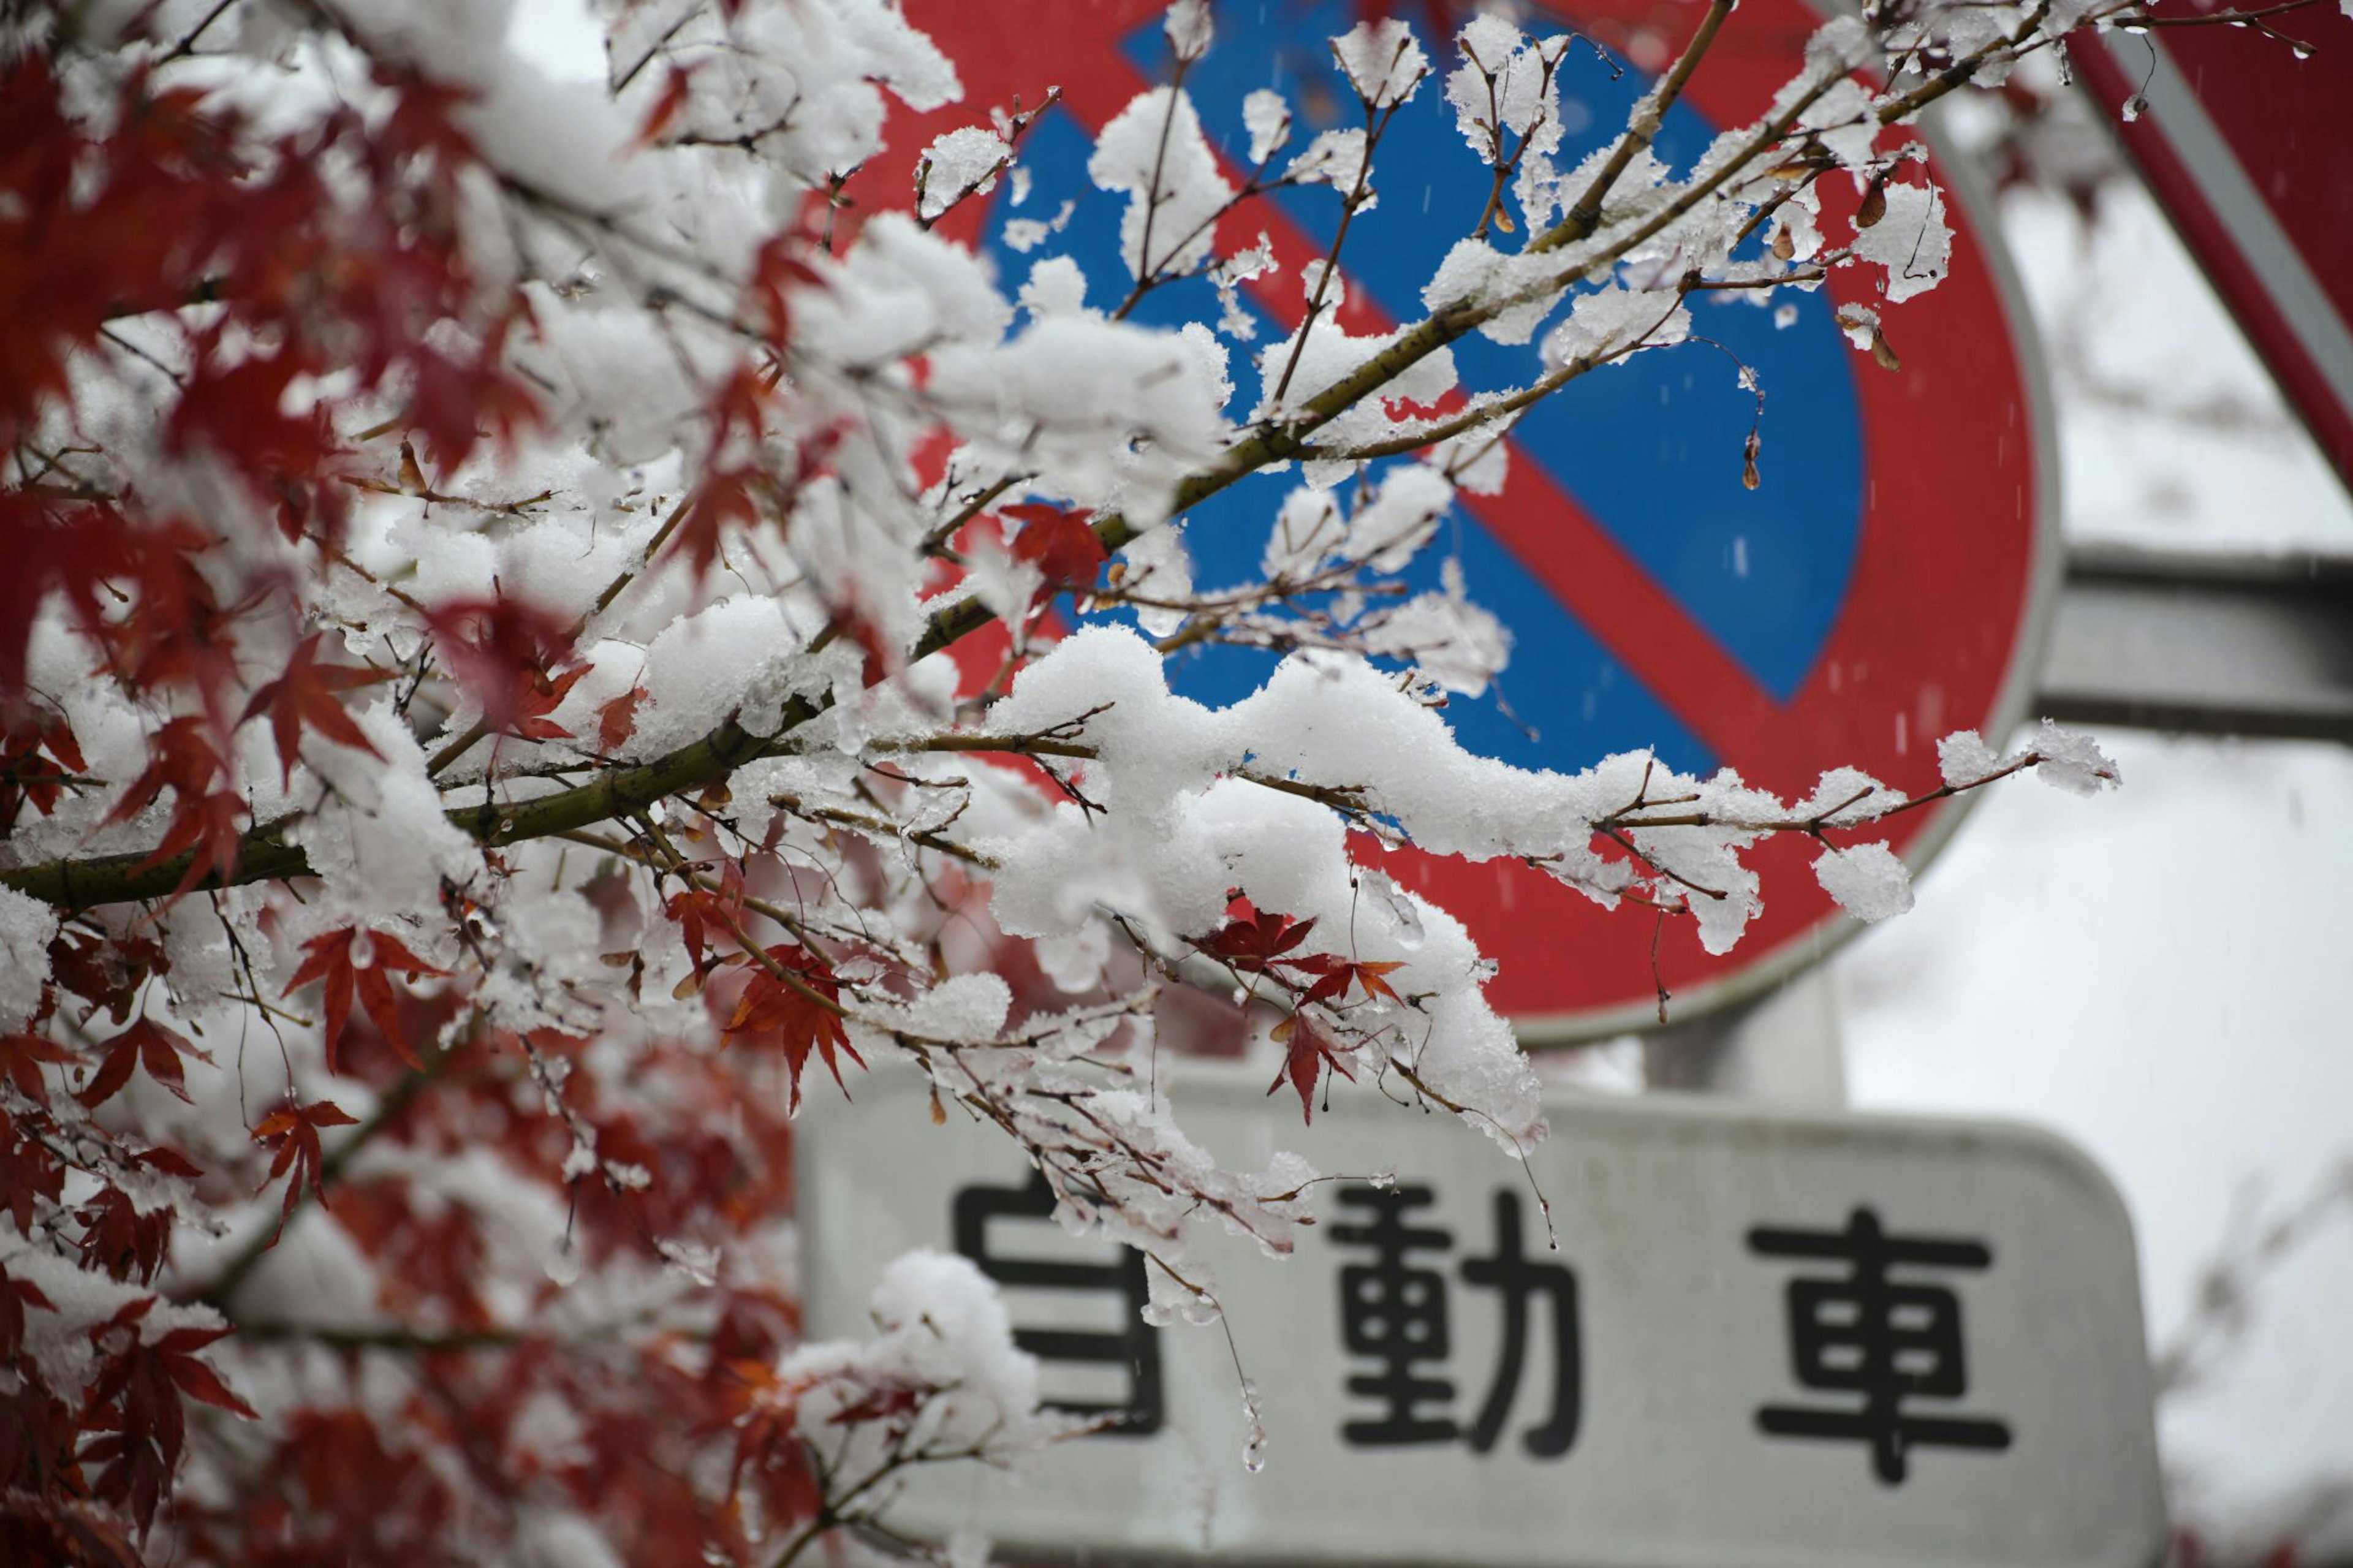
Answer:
(1251, 942)
(1308, 1053)
(1061, 545)
(305, 694)
(29, 776)
(342, 965)
(145, 1043)
(204, 818)
(617, 718)
(511, 656)
(793, 1015)
(138, 1394)
(293, 1129)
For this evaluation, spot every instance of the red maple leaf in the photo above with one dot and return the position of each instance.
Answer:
(668, 107)
(617, 718)
(1305, 1063)
(185, 759)
(772, 1011)
(120, 1239)
(722, 501)
(25, 774)
(106, 971)
(781, 267)
(146, 1042)
(765, 1411)
(333, 960)
(538, 698)
(1340, 974)
(27, 1171)
(306, 694)
(449, 400)
(699, 910)
(21, 1057)
(293, 1129)
(16, 1294)
(1061, 545)
(145, 1383)
(1250, 941)
(508, 653)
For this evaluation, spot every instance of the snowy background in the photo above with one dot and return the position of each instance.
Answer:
(2166, 975)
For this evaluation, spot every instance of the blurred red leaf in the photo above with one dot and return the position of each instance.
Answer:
(144, 1042)
(1061, 545)
(305, 694)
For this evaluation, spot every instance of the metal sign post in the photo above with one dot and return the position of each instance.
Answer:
(1766, 1341)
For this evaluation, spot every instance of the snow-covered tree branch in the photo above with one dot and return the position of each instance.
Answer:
(537, 610)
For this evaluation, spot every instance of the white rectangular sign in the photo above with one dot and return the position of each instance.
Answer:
(1767, 1341)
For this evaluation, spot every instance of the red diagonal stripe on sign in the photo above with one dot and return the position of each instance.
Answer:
(1678, 661)
(1612, 595)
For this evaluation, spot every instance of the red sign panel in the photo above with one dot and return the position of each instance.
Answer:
(2247, 145)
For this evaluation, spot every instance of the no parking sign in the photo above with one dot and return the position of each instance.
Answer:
(1885, 586)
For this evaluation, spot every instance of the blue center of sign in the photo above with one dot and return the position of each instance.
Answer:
(1649, 448)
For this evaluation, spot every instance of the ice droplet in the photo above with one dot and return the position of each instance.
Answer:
(2135, 107)
(1384, 1177)
(1159, 1314)
(1253, 1429)
(564, 1260)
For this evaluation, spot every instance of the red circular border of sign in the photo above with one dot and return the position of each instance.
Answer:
(1959, 466)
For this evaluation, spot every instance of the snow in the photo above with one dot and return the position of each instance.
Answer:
(27, 928)
(963, 161)
(1382, 60)
(1608, 319)
(1172, 211)
(1912, 241)
(1159, 567)
(1266, 115)
(1335, 158)
(1963, 758)
(1869, 882)
(942, 1333)
(1190, 28)
(1506, 93)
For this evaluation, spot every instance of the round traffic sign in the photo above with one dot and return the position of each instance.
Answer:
(1884, 586)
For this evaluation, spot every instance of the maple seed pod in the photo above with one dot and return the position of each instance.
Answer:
(1880, 352)
(1749, 476)
(1785, 244)
(1875, 204)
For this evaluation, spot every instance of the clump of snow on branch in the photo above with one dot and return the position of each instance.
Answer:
(942, 1361)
